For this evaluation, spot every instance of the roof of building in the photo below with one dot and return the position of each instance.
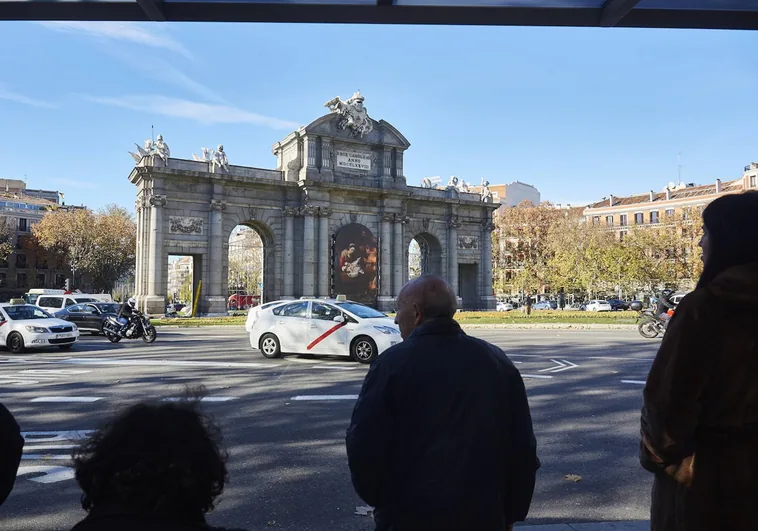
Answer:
(28, 199)
(684, 193)
(713, 14)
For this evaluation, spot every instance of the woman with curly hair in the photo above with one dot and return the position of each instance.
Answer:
(700, 414)
(155, 467)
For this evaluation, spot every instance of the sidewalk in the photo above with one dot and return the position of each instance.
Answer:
(637, 525)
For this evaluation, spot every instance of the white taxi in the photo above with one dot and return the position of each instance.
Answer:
(322, 326)
(25, 326)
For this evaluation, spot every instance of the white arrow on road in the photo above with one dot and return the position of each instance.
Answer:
(560, 366)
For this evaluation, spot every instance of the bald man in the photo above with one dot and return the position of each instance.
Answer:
(441, 437)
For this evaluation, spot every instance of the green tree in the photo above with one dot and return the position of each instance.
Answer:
(101, 244)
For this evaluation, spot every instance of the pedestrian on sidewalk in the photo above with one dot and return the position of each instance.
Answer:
(441, 436)
(11, 447)
(156, 467)
(700, 414)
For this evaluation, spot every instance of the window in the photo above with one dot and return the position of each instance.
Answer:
(60, 281)
(76, 308)
(41, 263)
(91, 309)
(686, 213)
(622, 220)
(622, 235)
(364, 312)
(609, 221)
(21, 280)
(324, 312)
(752, 181)
(40, 281)
(654, 217)
(69, 302)
(49, 302)
(21, 261)
(22, 313)
(23, 224)
(596, 220)
(295, 309)
(670, 213)
(639, 218)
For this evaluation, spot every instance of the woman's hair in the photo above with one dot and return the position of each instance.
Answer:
(732, 236)
(163, 458)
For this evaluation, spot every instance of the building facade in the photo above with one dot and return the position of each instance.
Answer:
(653, 209)
(178, 273)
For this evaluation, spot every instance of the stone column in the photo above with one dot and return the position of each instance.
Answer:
(289, 255)
(452, 252)
(138, 273)
(385, 301)
(214, 301)
(399, 259)
(323, 251)
(489, 301)
(155, 302)
(309, 251)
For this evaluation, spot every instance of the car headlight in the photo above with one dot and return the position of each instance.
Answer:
(387, 330)
(38, 329)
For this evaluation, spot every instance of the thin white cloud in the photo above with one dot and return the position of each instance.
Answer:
(11, 95)
(145, 33)
(166, 72)
(204, 113)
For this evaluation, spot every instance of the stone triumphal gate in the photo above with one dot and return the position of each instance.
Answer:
(336, 218)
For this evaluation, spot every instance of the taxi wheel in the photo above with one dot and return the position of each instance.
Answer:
(269, 346)
(15, 343)
(363, 349)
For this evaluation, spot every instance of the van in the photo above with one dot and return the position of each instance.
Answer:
(55, 303)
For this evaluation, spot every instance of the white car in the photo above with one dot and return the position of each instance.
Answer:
(504, 306)
(599, 306)
(322, 326)
(25, 326)
(255, 311)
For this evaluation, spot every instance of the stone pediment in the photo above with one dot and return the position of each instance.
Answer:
(383, 133)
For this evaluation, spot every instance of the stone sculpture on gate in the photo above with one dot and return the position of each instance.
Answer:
(152, 149)
(354, 114)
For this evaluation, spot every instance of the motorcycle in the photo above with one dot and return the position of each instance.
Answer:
(649, 325)
(138, 327)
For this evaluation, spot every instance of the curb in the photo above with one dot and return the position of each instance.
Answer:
(637, 525)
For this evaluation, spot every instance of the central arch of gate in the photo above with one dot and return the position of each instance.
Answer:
(335, 217)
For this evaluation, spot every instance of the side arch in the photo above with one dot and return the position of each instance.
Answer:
(430, 249)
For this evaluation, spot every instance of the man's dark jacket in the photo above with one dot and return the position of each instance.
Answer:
(11, 447)
(441, 436)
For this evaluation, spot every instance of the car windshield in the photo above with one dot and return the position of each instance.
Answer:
(21, 313)
(602, 302)
(108, 308)
(359, 310)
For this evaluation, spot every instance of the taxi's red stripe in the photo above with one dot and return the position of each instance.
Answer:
(326, 334)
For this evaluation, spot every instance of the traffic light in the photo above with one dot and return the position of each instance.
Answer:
(68, 284)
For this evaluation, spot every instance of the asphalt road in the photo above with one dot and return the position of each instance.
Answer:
(287, 459)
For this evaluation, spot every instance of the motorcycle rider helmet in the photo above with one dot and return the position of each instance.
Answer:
(667, 293)
(132, 302)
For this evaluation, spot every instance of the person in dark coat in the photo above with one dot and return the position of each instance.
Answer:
(441, 436)
(700, 417)
(156, 467)
(11, 447)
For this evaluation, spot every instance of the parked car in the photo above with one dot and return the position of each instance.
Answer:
(617, 304)
(23, 326)
(574, 308)
(504, 306)
(89, 316)
(323, 326)
(599, 306)
(545, 305)
(55, 303)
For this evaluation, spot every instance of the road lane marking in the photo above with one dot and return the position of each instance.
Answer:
(38, 447)
(561, 365)
(50, 474)
(126, 362)
(635, 382)
(59, 372)
(333, 367)
(203, 399)
(54, 436)
(537, 376)
(67, 399)
(324, 397)
(46, 457)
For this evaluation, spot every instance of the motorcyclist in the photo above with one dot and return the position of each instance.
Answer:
(664, 305)
(125, 314)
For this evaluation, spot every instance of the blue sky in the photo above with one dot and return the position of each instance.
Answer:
(579, 113)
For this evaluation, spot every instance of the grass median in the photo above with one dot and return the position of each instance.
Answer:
(465, 318)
